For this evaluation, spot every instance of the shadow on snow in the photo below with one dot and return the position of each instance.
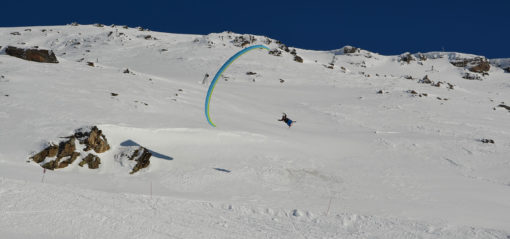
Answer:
(155, 154)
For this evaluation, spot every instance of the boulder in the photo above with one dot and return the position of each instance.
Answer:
(298, 59)
(66, 152)
(469, 76)
(69, 160)
(487, 141)
(134, 156)
(51, 165)
(63, 150)
(93, 139)
(66, 149)
(414, 93)
(406, 57)
(350, 49)
(91, 160)
(50, 151)
(425, 80)
(459, 62)
(480, 66)
(421, 56)
(476, 64)
(37, 55)
(142, 157)
(242, 41)
(437, 84)
(275, 52)
(283, 46)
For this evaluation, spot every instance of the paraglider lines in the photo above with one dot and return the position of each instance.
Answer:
(220, 72)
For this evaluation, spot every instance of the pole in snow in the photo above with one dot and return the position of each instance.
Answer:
(44, 172)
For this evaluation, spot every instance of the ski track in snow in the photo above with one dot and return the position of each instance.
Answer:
(62, 212)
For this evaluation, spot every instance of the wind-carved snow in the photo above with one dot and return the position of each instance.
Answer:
(367, 158)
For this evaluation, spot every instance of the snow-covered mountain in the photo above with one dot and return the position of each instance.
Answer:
(407, 146)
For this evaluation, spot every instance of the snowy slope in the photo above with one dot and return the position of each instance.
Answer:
(357, 164)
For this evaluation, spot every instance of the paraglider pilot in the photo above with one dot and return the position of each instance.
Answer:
(204, 81)
(286, 120)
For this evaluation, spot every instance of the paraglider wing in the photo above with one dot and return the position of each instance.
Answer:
(220, 72)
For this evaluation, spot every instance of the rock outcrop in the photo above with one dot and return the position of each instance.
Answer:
(480, 66)
(91, 160)
(414, 93)
(421, 56)
(93, 139)
(282, 46)
(134, 156)
(350, 49)
(469, 76)
(275, 52)
(406, 57)
(425, 80)
(476, 64)
(92, 142)
(66, 162)
(242, 41)
(37, 55)
(298, 59)
(65, 153)
(487, 141)
(50, 151)
(142, 157)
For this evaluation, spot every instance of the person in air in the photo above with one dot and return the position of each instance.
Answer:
(286, 120)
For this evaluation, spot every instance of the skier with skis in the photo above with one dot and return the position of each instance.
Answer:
(286, 120)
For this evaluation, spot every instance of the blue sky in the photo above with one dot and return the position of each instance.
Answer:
(386, 27)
